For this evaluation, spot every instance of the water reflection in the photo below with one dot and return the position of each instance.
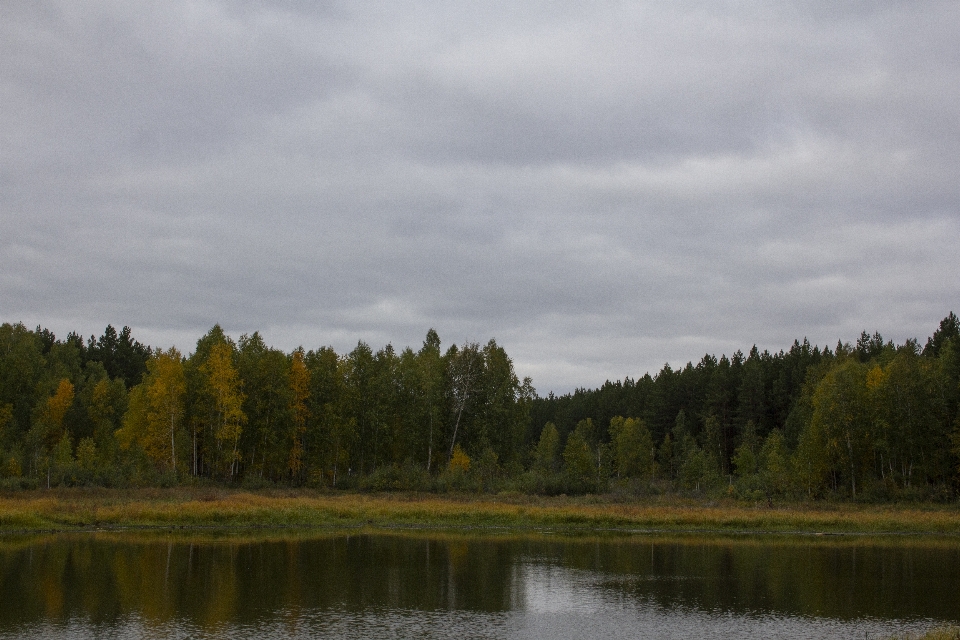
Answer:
(377, 584)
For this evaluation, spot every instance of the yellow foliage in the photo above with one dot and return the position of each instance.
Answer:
(134, 420)
(100, 408)
(6, 418)
(166, 392)
(223, 382)
(155, 408)
(875, 378)
(459, 461)
(12, 469)
(58, 405)
(223, 386)
(87, 455)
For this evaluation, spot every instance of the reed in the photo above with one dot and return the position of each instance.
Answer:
(67, 509)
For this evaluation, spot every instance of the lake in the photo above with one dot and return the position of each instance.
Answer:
(430, 584)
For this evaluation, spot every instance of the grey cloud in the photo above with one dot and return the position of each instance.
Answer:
(602, 189)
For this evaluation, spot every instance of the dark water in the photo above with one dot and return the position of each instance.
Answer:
(436, 585)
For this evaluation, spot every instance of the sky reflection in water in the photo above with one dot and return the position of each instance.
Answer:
(441, 585)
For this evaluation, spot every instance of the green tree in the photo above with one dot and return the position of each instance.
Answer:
(300, 393)
(633, 450)
(712, 439)
(22, 373)
(683, 443)
(431, 378)
(332, 404)
(745, 456)
(700, 469)
(546, 458)
(949, 330)
(48, 427)
(63, 461)
(464, 368)
(841, 423)
(665, 456)
(121, 356)
(583, 457)
(87, 460)
(267, 437)
(6, 426)
(774, 460)
(910, 413)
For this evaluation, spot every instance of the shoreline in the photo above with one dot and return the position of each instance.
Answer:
(78, 509)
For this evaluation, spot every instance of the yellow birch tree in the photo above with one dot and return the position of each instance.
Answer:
(223, 385)
(166, 395)
(156, 408)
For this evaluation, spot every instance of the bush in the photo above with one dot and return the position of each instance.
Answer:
(408, 477)
(18, 484)
(255, 482)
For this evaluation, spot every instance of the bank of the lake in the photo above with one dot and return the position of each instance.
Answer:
(77, 509)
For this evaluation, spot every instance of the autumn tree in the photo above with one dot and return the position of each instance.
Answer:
(166, 393)
(48, 430)
(154, 418)
(222, 387)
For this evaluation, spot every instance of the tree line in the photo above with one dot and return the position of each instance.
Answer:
(870, 420)
(112, 411)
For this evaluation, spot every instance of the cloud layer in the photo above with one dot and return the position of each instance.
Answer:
(602, 188)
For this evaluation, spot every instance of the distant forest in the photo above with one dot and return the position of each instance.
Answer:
(870, 421)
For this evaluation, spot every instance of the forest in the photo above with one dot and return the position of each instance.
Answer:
(869, 421)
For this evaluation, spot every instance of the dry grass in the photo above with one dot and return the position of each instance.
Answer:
(185, 507)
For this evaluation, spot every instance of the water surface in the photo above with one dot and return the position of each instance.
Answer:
(437, 585)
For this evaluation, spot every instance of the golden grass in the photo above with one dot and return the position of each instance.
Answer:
(68, 509)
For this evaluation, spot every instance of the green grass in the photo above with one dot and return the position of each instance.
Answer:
(72, 509)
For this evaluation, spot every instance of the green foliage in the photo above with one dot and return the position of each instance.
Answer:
(122, 357)
(870, 421)
(633, 450)
(665, 456)
(487, 469)
(700, 470)
(586, 461)
(773, 463)
(578, 457)
(744, 461)
(546, 459)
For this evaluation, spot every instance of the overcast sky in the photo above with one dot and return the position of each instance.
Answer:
(602, 187)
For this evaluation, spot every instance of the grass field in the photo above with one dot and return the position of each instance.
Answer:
(72, 509)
